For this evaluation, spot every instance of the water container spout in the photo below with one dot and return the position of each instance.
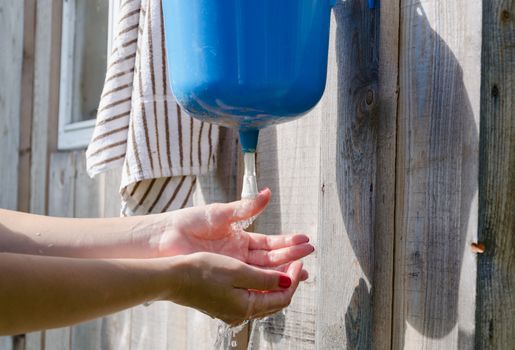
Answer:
(249, 140)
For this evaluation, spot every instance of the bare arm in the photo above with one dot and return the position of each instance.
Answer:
(44, 292)
(131, 237)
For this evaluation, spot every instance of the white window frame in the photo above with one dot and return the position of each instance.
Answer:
(75, 135)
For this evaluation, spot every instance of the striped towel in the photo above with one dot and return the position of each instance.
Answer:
(140, 127)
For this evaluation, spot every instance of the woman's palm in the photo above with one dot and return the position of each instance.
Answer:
(214, 228)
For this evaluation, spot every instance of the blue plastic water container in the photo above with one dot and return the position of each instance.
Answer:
(247, 64)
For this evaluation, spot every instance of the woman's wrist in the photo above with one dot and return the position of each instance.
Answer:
(166, 277)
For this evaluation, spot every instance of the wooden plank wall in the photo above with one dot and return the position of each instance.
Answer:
(496, 278)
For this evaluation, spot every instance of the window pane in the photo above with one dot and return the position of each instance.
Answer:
(90, 57)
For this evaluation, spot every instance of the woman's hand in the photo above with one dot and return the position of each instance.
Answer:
(213, 228)
(233, 291)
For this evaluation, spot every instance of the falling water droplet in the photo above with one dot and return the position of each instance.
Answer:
(226, 332)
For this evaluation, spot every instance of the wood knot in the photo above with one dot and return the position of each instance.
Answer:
(495, 91)
(505, 16)
(369, 99)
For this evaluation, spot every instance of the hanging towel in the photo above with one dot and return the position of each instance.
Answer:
(140, 127)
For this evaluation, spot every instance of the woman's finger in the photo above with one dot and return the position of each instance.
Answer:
(269, 242)
(279, 256)
(246, 208)
(251, 277)
(304, 274)
(266, 303)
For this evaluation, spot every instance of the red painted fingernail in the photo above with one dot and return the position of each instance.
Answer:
(284, 281)
(264, 190)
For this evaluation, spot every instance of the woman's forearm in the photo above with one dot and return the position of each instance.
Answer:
(44, 292)
(130, 237)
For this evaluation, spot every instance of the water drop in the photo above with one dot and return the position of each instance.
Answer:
(226, 332)
(38, 234)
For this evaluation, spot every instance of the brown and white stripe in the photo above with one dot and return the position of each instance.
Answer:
(140, 127)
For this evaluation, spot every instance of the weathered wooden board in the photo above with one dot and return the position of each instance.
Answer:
(437, 159)
(384, 187)
(149, 326)
(11, 37)
(34, 341)
(6, 343)
(348, 175)
(27, 89)
(45, 103)
(495, 316)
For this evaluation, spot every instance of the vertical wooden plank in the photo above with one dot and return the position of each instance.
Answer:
(26, 105)
(384, 218)
(495, 316)
(61, 203)
(437, 159)
(61, 184)
(11, 36)
(149, 327)
(112, 200)
(288, 163)
(348, 176)
(45, 103)
(6, 343)
(88, 196)
(177, 327)
(57, 339)
(34, 341)
(115, 331)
